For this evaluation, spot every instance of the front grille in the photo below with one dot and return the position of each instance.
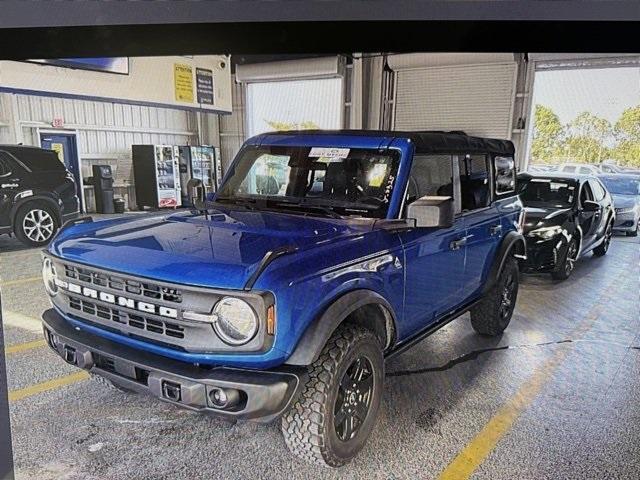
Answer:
(135, 287)
(135, 320)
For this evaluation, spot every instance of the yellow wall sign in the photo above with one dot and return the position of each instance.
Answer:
(183, 82)
(59, 149)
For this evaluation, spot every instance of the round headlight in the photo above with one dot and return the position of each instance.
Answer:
(49, 277)
(234, 321)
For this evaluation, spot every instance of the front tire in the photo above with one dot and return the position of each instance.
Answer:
(635, 232)
(35, 224)
(602, 249)
(492, 315)
(565, 269)
(336, 411)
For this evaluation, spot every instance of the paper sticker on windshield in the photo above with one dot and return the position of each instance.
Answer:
(329, 152)
(376, 174)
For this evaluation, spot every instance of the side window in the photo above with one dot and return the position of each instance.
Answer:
(6, 168)
(505, 169)
(569, 169)
(430, 175)
(585, 193)
(475, 189)
(585, 171)
(598, 191)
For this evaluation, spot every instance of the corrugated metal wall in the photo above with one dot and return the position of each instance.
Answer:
(105, 131)
(6, 134)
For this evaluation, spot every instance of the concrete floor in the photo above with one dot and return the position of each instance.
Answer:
(555, 397)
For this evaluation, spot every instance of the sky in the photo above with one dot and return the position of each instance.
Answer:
(604, 92)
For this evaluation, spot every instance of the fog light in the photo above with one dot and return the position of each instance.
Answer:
(223, 397)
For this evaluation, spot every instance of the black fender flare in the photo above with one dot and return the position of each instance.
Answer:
(320, 330)
(513, 242)
(35, 198)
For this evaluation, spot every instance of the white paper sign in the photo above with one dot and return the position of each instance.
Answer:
(329, 152)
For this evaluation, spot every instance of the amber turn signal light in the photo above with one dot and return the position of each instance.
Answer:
(271, 320)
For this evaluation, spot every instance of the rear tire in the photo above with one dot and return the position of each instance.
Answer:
(492, 315)
(35, 224)
(337, 409)
(602, 249)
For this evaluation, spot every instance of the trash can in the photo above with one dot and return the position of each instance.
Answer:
(118, 205)
(102, 182)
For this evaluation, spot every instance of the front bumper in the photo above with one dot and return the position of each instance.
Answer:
(625, 222)
(543, 256)
(262, 395)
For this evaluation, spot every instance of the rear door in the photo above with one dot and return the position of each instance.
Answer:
(11, 179)
(481, 218)
(434, 258)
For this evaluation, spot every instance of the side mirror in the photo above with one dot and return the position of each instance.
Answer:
(430, 211)
(590, 206)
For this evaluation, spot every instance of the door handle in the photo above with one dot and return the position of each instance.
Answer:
(495, 229)
(461, 242)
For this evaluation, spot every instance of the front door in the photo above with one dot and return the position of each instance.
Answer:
(64, 144)
(434, 258)
(588, 221)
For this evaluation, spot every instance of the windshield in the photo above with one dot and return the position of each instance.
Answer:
(322, 181)
(544, 192)
(622, 186)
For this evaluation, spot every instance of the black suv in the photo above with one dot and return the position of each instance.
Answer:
(566, 216)
(37, 194)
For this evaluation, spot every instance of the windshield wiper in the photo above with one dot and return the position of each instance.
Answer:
(309, 206)
(243, 202)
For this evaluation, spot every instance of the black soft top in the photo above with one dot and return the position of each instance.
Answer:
(431, 141)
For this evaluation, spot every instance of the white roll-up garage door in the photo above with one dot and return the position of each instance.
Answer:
(477, 98)
(294, 94)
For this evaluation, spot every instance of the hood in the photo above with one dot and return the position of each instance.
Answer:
(624, 201)
(222, 251)
(537, 217)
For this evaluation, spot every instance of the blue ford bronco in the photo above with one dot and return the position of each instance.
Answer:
(323, 254)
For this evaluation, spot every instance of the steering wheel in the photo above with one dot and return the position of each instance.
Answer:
(371, 200)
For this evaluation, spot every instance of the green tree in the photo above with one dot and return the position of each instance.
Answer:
(627, 135)
(547, 135)
(283, 126)
(587, 137)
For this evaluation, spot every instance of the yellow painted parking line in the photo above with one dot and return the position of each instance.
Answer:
(20, 281)
(16, 395)
(23, 347)
(472, 456)
(18, 320)
(479, 448)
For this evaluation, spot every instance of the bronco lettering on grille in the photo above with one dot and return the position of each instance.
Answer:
(123, 301)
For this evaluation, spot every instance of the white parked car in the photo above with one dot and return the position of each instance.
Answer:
(580, 168)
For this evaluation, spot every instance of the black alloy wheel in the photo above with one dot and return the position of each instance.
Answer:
(565, 269)
(354, 398)
(602, 249)
(508, 297)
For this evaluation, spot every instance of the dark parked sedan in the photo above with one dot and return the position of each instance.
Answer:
(566, 216)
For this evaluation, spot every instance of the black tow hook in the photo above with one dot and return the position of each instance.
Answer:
(171, 391)
(70, 355)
